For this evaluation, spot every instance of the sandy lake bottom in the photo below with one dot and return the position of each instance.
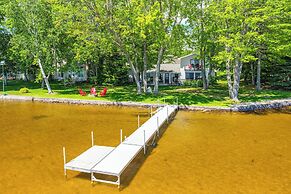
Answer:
(198, 152)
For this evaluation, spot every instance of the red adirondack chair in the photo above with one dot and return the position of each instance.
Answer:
(81, 92)
(103, 92)
(93, 91)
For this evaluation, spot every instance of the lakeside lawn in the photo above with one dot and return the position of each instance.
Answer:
(215, 96)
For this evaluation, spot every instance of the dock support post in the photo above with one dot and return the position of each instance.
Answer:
(167, 114)
(92, 138)
(138, 120)
(64, 154)
(120, 135)
(158, 126)
(118, 182)
(92, 177)
(151, 110)
(144, 143)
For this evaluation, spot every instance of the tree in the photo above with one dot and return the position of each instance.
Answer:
(33, 33)
(4, 36)
(232, 17)
(170, 28)
(198, 20)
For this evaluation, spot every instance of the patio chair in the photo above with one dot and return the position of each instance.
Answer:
(81, 92)
(103, 92)
(93, 92)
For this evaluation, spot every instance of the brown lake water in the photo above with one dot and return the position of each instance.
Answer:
(198, 152)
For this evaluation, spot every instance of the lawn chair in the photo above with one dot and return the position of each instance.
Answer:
(103, 92)
(81, 92)
(93, 92)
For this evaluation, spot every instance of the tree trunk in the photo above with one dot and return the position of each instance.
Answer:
(135, 74)
(253, 74)
(246, 77)
(201, 64)
(258, 85)
(202, 47)
(236, 78)
(209, 74)
(145, 66)
(44, 77)
(228, 75)
(25, 75)
(203, 71)
(42, 84)
(156, 80)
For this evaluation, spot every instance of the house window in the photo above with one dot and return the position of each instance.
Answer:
(198, 76)
(161, 78)
(167, 78)
(175, 78)
(189, 75)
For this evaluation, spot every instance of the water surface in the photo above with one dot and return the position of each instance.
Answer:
(198, 153)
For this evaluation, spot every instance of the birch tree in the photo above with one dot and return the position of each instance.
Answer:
(32, 30)
(234, 35)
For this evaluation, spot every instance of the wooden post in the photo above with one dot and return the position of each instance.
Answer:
(151, 110)
(120, 135)
(64, 154)
(138, 121)
(144, 143)
(92, 138)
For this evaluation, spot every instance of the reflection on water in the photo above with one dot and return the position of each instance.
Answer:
(198, 153)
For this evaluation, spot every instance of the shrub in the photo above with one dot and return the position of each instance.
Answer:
(24, 90)
(213, 80)
(193, 83)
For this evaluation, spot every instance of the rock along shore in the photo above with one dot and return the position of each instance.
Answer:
(243, 107)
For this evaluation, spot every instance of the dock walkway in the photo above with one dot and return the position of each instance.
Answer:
(114, 160)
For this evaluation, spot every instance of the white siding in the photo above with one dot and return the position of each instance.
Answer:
(186, 60)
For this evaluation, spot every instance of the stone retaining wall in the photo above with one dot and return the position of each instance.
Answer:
(271, 104)
(244, 107)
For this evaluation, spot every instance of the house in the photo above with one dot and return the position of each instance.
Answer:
(76, 76)
(177, 71)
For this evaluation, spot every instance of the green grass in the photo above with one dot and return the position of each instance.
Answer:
(214, 96)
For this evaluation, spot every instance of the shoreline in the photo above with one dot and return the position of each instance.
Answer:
(243, 107)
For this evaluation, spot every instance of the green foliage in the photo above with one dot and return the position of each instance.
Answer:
(113, 37)
(213, 80)
(278, 75)
(193, 83)
(24, 90)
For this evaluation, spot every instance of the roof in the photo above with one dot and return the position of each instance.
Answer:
(178, 60)
(186, 56)
(173, 67)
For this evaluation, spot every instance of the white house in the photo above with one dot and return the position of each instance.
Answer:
(75, 76)
(79, 75)
(177, 71)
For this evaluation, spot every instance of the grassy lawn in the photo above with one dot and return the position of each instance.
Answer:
(214, 96)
